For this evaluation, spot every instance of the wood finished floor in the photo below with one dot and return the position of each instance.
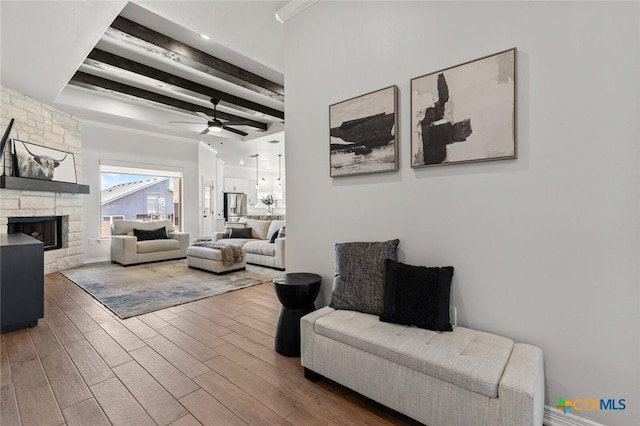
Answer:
(208, 362)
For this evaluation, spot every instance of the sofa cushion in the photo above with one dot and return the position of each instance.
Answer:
(471, 359)
(152, 246)
(235, 241)
(360, 275)
(152, 234)
(264, 248)
(416, 295)
(259, 228)
(274, 228)
(125, 227)
(240, 233)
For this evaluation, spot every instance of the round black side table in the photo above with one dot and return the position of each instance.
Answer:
(296, 291)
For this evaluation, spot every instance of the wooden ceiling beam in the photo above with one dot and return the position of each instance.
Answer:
(150, 72)
(229, 100)
(83, 79)
(221, 68)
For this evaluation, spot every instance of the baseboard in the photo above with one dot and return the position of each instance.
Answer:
(96, 260)
(555, 417)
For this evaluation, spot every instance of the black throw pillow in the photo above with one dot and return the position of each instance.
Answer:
(360, 275)
(240, 233)
(273, 237)
(151, 234)
(417, 295)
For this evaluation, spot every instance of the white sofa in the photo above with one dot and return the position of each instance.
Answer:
(259, 250)
(127, 250)
(460, 378)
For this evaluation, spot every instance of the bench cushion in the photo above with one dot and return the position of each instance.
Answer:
(204, 253)
(470, 359)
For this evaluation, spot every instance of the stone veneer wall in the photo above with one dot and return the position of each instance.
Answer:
(45, 125)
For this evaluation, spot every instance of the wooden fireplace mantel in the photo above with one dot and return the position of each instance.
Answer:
(26, 184)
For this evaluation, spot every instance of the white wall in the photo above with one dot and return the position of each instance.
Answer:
(545, 247)
(105, 143)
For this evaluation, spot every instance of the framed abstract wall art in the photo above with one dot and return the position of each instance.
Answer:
(465, 113)
(363, 134)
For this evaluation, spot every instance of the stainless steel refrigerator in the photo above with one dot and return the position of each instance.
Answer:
(235, 206)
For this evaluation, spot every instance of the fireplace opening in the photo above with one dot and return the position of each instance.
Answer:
(47, 229)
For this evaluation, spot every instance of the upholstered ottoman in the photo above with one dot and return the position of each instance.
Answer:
(210, 258)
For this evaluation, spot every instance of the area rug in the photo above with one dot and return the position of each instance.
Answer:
(134, 290)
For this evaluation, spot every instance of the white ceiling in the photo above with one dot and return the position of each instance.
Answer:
(43, 43)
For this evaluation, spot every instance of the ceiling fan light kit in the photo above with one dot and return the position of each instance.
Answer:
(217, 126)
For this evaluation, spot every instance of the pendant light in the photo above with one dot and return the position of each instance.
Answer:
(257, 165)
(279, 170)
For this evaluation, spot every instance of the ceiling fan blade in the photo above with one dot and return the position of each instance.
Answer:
(187, 122)
(236, 131)
(203, 115)
(205, 131)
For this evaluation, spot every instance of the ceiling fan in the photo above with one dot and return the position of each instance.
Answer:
(215, 125)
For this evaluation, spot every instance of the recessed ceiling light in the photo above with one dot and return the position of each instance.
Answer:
(204, 36)
(241, 161)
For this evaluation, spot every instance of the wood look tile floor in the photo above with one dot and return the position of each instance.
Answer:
(208, 362)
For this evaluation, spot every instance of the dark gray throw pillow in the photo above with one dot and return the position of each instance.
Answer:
(151, 234)
(240, 233)
(360, 275)
(417, 295)
(232, 225)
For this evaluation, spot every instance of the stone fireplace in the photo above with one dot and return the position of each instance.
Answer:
(44, 125)
(48, 229)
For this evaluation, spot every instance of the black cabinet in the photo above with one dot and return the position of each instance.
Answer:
(21, 281)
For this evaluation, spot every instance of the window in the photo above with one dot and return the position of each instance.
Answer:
(138, 194)
(105, 224)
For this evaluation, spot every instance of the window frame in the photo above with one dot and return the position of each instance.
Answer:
(143, 170)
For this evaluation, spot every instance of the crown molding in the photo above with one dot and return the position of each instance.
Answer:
(291, 9)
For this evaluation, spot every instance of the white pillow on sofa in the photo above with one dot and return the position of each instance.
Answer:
(274, 227)
(259, 228)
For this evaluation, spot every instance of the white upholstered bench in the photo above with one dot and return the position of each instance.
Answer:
(460, 378)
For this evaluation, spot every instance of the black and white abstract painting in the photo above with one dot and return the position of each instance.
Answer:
(39, 162)
(363, 137)
(465, 113)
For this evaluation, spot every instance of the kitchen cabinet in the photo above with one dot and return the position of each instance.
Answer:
(234, 185)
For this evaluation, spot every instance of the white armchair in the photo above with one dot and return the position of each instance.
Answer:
(127, 250)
